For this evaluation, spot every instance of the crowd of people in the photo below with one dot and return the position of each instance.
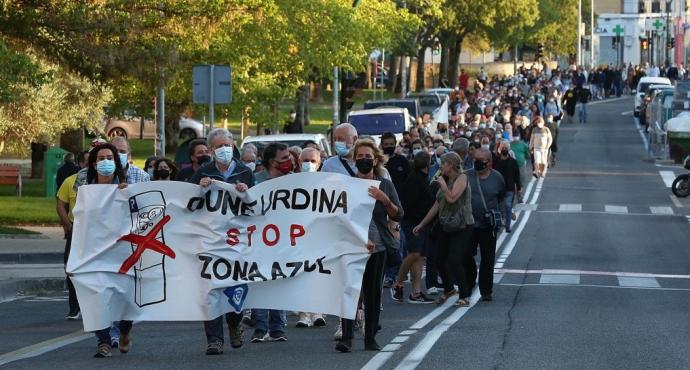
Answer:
(442, 198)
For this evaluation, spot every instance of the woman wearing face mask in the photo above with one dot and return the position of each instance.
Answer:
(104, 168)
(417, 147)
(164, 169)
(369, 160)
(453, 207)
(148, 165)
(539, 144)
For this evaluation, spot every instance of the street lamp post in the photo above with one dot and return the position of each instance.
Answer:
(668, 33)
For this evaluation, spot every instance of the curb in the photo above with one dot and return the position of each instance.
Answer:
(32, 258)
(11, 288)
(23, 236)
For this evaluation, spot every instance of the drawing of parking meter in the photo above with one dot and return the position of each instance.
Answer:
(147, 211)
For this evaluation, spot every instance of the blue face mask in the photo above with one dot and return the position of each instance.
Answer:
(124, 159)
(105, 167)
(341, 148)
(224, 155)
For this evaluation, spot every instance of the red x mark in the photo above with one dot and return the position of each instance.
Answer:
(146, 242)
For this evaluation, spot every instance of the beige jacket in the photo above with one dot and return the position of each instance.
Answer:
(540, 139)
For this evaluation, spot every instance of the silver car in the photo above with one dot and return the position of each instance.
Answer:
(130, 128)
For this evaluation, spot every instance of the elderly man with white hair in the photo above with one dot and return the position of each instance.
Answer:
(345, 136)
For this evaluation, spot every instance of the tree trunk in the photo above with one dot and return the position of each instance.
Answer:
(301, 110)
(37, 154)
(419, 86)
(73, 140)
(443, 68)
(393, 74)
(454, 62)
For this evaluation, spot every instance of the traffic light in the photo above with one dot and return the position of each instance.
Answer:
(645, 44)
(540, 50)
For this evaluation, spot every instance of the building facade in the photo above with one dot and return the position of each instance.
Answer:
(640, 31)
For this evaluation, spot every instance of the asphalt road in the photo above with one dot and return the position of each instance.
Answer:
(596, 275)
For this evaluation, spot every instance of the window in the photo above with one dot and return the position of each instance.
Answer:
(641, 7)
(656, 6)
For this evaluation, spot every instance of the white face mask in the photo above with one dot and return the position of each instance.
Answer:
(251, 165)
(309, 167)
(485, 146)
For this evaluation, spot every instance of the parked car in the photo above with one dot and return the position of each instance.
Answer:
(375, 122)
(645, 114)
(440, 90)
(643, 86)
(129, 127)
(289, 139)
(412, 105)
(661, 108)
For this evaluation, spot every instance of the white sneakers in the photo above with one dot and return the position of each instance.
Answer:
(304, 320)
(338, 332)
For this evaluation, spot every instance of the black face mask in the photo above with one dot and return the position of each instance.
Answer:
(480, 165)
(364, 165)
(203, 159)
(504, 152)
(161, 174)
(389, 151)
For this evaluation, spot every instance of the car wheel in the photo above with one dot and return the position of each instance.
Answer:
(117, 131)
(187, 133)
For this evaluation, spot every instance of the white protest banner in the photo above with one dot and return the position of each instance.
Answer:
(175, 251)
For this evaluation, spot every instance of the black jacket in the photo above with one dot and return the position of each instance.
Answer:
(510, 171)
(241, 174)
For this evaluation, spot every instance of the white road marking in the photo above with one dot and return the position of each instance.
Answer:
(668, 177)
(391, 347)
(612, 213)
(416, 356)
(661, 210)
(628, 113)
(676, 201)
(615, 209)
(570, 208)
(591, 272)
(559, 279)
(597, 286)
(498, 278)
(432, 336)
(638, 282)
(400, 339)
(44, 347)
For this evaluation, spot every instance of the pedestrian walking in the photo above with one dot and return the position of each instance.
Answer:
(539, 144)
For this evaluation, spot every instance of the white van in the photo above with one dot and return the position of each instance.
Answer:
(643, 86)
(375, 122)
(290, 140)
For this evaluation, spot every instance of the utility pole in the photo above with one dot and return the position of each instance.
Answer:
(668, 30)
(335, 88)
(591, 35)
(579, 34)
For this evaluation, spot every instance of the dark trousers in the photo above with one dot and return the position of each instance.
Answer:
(431, 253)
(103, 335)
(453, 249)
(485, 239)
(214, 328)
(372, 284)
(72, 293)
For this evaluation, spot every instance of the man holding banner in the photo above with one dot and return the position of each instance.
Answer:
(225, 169)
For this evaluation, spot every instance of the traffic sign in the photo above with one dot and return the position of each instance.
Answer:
(221, 81)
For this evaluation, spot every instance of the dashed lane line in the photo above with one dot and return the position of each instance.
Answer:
(593, 272)
(44, 347)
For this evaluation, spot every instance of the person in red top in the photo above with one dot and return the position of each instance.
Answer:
(464, 80)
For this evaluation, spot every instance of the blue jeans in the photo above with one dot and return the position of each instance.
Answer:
(115, 330)
(583, 113)
(214, 328)
(103, 335)
(269, 320)
(509, 208)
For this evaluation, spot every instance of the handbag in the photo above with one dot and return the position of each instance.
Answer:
(494, 216)
(451, 216)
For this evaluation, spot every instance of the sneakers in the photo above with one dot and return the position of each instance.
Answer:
(114, 342)
(304, 320)
(487, 298)
(338, 332)
(259, 336)
(103, 350)
(236, 340)
(73, 315)
(277, 336)
(388, 282)
(371, 345)
(247, 319)
(214, 348)
(125, 343)
(318, 319)
(432, 291)
(344, 346)
(420, 298)
(397, 293)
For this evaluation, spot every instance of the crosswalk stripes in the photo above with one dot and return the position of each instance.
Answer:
(570, 208)
(668, 177)
(661, 210)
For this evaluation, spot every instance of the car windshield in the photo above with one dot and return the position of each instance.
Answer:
(377, 124)
(644, 86)
(263, 144)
